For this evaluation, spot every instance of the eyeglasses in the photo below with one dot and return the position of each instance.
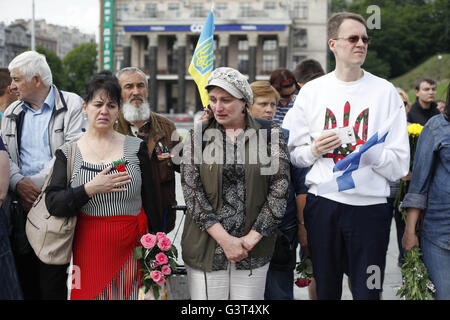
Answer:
(354, 39)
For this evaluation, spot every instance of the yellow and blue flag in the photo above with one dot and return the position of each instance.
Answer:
(202, 63)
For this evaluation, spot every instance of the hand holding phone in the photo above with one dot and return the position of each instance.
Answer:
(328, 141)
(346, 134)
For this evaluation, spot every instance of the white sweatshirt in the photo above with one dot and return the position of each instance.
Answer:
(367, 103)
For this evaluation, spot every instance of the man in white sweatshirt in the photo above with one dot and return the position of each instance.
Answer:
(348, 231)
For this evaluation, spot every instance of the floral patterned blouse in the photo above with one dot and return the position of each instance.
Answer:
(232, 213)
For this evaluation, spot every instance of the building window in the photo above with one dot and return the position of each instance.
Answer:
(197, 10)
(270, 5)
(121, 11)
(269, 63)
(150, 10)
(269, 45)
(296, 60)
(243, 63)
(119, 60)
(220, 9)
(301, 10)
(242, 45)
(173, 6)
(119, 37)
(174, 9)
(221, 6)
(172, 58)
(246, 9)
(300, 38)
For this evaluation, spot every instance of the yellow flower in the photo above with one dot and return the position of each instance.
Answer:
(414, 129)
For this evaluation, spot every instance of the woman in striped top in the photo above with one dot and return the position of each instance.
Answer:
(112, 202)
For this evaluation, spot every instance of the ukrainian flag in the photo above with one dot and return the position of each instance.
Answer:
(202, 63)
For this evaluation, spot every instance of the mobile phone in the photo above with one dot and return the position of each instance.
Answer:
(346, 134)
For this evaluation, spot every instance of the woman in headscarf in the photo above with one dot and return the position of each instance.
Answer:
(235, 178)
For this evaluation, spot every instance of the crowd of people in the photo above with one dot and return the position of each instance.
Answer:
(252, 169)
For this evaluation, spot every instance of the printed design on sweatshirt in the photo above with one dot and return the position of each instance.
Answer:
(330, 123)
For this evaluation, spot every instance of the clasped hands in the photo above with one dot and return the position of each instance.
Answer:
(237, 249)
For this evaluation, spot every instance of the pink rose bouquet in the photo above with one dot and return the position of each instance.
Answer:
(161, 258)
(164, 244)
(158, 260)
(148, 241)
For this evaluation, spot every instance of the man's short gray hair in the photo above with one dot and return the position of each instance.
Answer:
(30, 64)
(132, 70)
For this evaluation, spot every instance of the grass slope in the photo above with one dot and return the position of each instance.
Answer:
(432, 68)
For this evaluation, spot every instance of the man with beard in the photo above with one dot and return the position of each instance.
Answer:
(136, 119)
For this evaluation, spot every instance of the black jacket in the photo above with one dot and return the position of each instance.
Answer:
(417, 114)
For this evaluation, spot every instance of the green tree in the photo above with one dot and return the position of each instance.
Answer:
(56, 66)
(338, 6)
(80, 64)
(411, 32)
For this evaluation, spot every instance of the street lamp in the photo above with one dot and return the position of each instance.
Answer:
(33, 39)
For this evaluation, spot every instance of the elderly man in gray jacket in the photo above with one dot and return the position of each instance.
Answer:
(43, 119)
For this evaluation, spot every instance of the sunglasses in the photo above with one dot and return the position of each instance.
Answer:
(287, 96)
(355, 39)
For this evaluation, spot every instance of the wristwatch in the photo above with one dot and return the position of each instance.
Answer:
(300, 222)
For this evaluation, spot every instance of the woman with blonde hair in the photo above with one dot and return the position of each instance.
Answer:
(265, 100)
(405, 99)
(280, 276)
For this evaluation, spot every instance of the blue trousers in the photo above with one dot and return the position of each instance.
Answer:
(345, 238)
(279, 285)
(9, 283)
(437, 261)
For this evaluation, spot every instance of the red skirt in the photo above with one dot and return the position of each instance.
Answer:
(102, 252)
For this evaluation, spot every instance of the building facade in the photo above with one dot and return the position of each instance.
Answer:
(254, 37)
(17, 40)
(59, 39)
(2, 45)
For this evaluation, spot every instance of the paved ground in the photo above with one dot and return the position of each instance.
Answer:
(392, 280)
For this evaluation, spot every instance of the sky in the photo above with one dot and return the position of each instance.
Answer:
(83, 14)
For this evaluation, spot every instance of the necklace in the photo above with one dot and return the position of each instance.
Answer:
(101, 158)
